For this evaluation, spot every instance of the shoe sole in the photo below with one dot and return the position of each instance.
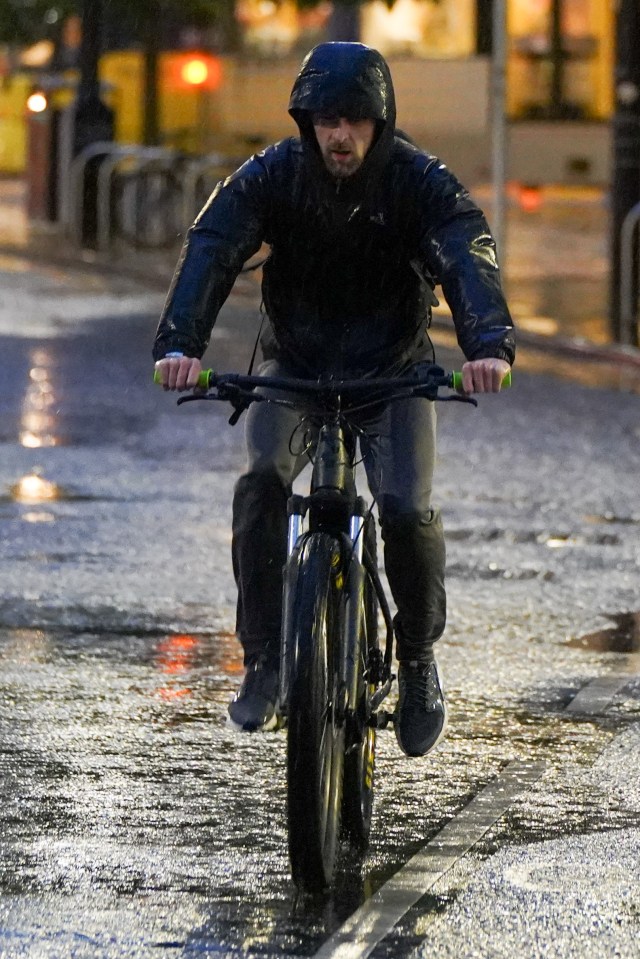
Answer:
(270, 725)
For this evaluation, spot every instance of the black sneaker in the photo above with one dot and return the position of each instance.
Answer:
(255, 704)
(421, 714)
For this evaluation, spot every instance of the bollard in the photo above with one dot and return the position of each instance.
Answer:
(629, 281)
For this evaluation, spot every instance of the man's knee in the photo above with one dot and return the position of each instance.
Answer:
(258, 490)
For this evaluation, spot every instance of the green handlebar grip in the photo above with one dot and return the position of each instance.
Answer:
(203, 378)
(456, 380)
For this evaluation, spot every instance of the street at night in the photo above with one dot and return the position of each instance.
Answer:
(135, 822)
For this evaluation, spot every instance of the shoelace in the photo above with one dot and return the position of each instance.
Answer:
(420, 685)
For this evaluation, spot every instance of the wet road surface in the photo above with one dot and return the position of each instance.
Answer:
(134, 822)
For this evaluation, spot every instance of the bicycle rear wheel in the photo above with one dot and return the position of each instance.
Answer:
(315, 729)
(360, 749)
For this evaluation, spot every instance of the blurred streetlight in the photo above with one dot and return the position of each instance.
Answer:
(37, 103)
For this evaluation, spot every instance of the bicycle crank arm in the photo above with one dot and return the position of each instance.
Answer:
(381, 694)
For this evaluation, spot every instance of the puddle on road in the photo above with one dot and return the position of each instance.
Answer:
(621, 637)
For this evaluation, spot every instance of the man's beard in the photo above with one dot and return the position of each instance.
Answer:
(338, 168)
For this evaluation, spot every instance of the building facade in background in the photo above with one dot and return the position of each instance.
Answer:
(559, 80)
(559, 77)
(560, 51)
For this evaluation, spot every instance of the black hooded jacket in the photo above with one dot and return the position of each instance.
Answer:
(348, 285)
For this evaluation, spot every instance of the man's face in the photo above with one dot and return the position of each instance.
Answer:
(343, 143)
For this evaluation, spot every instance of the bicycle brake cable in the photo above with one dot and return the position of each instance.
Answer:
(306, 439)
(457, 399)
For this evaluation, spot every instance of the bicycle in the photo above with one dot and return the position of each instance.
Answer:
(334, 675)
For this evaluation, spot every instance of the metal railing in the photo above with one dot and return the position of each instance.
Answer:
(629, 278)
(204, 170)
(133, 164)
(142, 196)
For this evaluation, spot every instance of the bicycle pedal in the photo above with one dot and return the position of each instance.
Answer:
(381, 719)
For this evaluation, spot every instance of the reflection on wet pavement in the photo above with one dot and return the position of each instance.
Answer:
(38, 424)
(34, 488)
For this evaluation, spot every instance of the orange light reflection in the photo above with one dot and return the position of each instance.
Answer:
(175, 656)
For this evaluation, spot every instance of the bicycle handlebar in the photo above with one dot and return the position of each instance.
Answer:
(208, 379)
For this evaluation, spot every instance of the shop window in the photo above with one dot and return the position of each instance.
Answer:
(274, 29)
(423, 28)
(559, 55)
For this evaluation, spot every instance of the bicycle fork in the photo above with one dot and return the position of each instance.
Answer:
(333, 508)
(350, 576)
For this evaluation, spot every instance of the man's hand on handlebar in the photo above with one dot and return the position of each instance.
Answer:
(178, 372)
(484, 376)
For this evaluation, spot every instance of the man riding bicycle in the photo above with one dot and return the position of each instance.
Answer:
(361, 226)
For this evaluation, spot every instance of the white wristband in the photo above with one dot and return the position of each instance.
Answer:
(170, 356)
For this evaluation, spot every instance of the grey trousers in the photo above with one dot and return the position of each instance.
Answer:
(398, 453)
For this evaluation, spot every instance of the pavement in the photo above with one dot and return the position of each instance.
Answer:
(542, 557)
(555, 274)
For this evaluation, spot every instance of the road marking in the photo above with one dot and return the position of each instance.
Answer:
(369, 924)
(597, 695)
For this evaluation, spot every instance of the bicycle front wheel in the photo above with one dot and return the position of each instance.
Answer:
(315, 729)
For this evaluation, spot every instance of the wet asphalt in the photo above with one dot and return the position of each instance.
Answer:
(134, 822)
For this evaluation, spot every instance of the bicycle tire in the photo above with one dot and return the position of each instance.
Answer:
(315, 727)
(359, 762)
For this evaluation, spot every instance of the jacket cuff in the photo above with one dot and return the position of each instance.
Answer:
(162, 347)
(505, 351)
(505, 354)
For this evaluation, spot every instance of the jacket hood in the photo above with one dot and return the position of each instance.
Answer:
(347, 79)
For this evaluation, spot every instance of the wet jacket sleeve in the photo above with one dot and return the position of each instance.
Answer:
(226, 233)
(460, 254)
